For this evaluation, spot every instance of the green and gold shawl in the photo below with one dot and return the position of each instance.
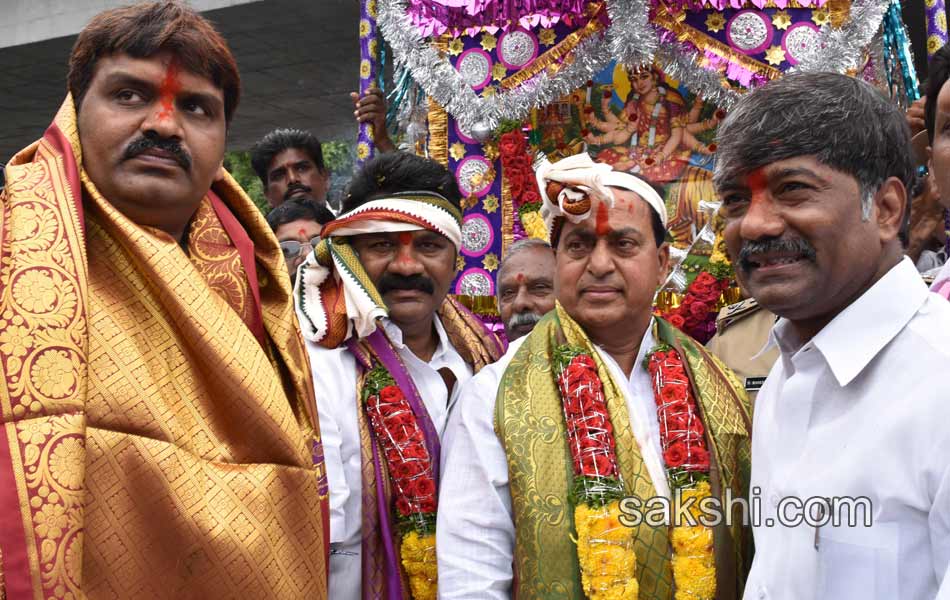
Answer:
(529, 421)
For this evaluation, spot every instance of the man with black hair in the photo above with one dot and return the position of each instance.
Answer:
(158, 435)
(392, 350)
(290, 162)
(848, 462)
(297, 225)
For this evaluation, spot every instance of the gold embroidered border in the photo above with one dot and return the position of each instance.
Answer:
(702, 41)
(438, 118)
(507, 216)
(561, 50)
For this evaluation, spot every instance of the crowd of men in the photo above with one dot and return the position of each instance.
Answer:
(201, 402)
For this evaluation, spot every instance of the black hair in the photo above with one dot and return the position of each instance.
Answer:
(279, 140)
(395, 172)
(938, 71)
(845, 123)
(296, 210)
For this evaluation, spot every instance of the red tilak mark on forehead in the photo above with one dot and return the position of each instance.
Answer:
(602, 226)
(169, 87)
(301, 231)
(520, 277)
(405, 238)
(758, 184)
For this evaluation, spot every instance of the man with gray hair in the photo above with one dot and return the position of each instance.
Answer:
(814, 172)
(525, 286)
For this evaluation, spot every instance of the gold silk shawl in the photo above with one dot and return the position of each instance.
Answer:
(159, 436)
(529, 422)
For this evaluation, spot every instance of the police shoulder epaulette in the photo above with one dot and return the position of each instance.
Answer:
(735, 312)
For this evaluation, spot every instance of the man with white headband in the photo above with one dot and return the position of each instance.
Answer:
(563, 458)
(389, 351)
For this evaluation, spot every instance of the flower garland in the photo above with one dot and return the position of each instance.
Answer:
(686, 455)
(518, 176)
(410, 467)
(605, 547)
(696, 314)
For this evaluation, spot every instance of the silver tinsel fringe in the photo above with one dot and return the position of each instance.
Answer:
(842, 49)
(630, 39)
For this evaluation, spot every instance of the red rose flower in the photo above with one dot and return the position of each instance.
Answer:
(520, 163)
(403, 507)
(408, 469)
(390, 394)
(699, 310)
(400, 435)
(705, 278)
(529, 196)
(511, 143)
(675, 455)
(424, 487)
(414, 451)
(698, 457)
(427, 505)
(699, 289)
(695, 430)
(402, 417)
(597, 464)
(672, 393)
(583, 361)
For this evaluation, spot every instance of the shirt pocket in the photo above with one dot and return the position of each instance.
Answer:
(858, 563)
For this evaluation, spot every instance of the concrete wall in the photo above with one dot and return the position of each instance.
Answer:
(28, 21)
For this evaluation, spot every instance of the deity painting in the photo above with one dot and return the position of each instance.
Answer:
(642, 122)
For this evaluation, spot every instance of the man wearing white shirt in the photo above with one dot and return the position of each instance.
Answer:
(508, 515)
(372, 298)
(813, 171)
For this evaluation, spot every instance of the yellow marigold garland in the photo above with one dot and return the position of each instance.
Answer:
(605, 547)
(686, 455)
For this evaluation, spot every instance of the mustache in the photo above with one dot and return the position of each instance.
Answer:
(170, 145)
(763, 246)
(526, 318)
(296, 187)
(389, 282)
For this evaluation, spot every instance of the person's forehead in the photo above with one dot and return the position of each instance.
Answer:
(943, 98)
(290, 156)
(298, 228)
(157, 68)
(805, 164)
(529, 263)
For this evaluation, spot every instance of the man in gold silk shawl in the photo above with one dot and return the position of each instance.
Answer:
(598, 416)
(158, 435)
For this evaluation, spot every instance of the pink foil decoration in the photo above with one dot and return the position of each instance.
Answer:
(434, 17)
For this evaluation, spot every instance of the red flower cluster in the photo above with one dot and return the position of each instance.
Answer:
(516, 164)
(403, 445)
(681, 431)
(696, 316)
(589, 432)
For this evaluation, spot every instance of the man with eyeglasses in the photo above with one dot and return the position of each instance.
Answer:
(297, 225)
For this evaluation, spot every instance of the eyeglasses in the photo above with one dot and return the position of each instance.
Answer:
(292, 248)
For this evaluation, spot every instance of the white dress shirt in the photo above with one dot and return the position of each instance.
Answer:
(334, 379)
(858, 411)
(475, 534)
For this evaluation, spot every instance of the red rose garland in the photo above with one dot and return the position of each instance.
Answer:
(681, 430)
(519, 178)
(402, 444)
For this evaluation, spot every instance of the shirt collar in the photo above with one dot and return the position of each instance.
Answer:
(395, 336)
(853, 338)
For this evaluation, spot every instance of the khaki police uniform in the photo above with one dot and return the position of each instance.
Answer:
(742, 330)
